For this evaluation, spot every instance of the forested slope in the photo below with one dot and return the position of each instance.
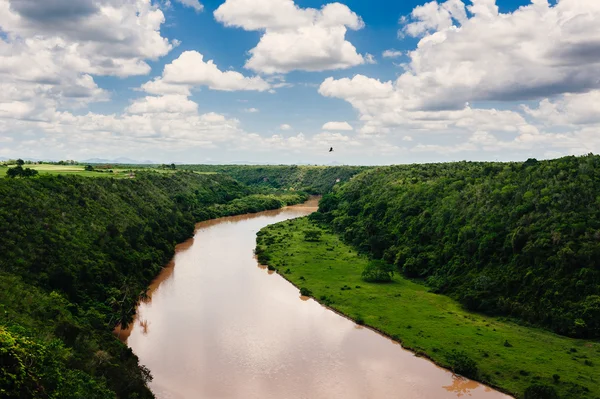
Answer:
(76, 254)
(312, 179)
(517, 239)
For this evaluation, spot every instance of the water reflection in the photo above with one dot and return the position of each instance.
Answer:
(217, 326)
(463, 386)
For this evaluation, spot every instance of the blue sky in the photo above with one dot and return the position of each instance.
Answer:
(472, 79)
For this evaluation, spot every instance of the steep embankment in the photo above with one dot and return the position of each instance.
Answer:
(516, 239)
(312, 179)
(76, 254)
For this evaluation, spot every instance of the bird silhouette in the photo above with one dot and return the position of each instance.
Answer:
(331, 149)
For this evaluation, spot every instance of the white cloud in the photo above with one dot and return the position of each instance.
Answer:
(285, 126)
(473, 55)
(433, 16)
(536, 51)
(170, 103)
(195, 4)
(294, 38)
(391, 53)
(251, 110)
(50, 50)
(190, 70)
(337, 126)
(570, 109)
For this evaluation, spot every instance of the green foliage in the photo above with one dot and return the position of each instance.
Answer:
(378, 271)
(257, 203)
(312, 235)
(19, 171)
(518, 239)
(311, 179)
(540, 391)
(462, 364)
(77, 253)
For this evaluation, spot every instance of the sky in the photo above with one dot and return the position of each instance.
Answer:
(282, 81)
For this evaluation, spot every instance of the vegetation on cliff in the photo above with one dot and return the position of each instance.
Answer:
(514, 239)
(77, 254)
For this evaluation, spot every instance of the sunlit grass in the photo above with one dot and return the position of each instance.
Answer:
(115, 172)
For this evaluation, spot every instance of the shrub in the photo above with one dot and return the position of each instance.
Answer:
(378, 271)
(540, 391)
(461, 363)
(305, 291)
(313, 235)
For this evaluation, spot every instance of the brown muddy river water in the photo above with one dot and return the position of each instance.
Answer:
(219, 326)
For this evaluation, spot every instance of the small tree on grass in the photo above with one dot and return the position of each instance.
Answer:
(461, 363)
(378, 271)
(18, 171)
(313, 235)
(540, 391)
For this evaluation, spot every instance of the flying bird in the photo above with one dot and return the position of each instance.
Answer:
(331, 149)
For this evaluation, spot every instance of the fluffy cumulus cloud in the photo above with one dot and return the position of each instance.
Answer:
(285, 126)
(295, 38)
(539, 50)
(470, 58)
(569, 109)
(337, 126)
(190, 70)
(49, 50)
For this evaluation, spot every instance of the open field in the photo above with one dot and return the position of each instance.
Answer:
(117, 172)
(509, 356)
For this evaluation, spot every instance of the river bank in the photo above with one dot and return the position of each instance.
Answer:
(507, 355)
(218, 325)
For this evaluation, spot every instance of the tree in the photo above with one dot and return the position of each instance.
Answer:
(11, 173)
(89, 168)
(313, 235)
(18, 171)
(20, 162)
(378, 271)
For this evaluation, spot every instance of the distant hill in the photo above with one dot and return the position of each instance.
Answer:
(120, 160)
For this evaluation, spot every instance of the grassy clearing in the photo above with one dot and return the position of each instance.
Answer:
(117, 172)
(509, 356)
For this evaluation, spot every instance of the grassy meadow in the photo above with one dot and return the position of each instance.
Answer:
(118, 172)
(509, 356)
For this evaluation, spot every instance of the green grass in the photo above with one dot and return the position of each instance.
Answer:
(429, 324)
(117, 172)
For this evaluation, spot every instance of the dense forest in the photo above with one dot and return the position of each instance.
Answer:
(77, 254)
(311, 179)
(514, 239)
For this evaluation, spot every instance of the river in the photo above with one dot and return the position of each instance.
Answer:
(217, 325)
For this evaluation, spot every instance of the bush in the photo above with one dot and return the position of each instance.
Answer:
(312, 235)
(540, 391)
(305, 291)
(461, 363)
(377, 271)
